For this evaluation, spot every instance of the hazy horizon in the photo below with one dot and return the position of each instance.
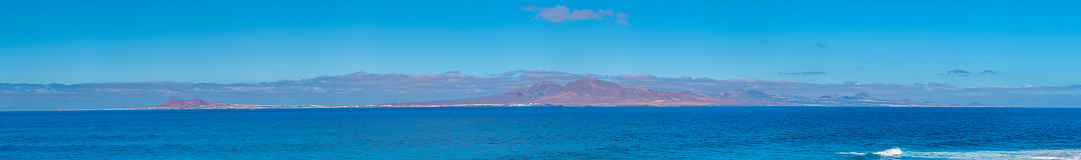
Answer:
(360, 88)
(109, 54)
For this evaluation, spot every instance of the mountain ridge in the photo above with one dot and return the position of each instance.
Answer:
(594, 92)
(520, 95)
(583, 92)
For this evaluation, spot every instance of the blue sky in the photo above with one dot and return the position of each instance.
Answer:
(902, 42)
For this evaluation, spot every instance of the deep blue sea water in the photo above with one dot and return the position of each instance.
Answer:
(546, 133)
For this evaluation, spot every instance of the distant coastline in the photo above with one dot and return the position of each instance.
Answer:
(592, 92)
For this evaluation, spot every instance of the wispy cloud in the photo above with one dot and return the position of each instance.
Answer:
(967, 73)
(957, 72)
(635, 76)
(802, 73)
(561, 14)
(932, 85)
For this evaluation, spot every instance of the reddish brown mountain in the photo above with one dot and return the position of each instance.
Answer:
(186, 103)
(594, 92)
(520, 95)
(537, 90)
(584, 92)
(691, 93)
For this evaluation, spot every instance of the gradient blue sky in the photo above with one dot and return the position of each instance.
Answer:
(903, 42)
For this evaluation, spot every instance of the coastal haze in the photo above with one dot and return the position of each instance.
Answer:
(367, 89)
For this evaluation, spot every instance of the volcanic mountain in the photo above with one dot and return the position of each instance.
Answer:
(520, 95)
(586, 92)
(594, 92)
(691, 93)
(186, 104)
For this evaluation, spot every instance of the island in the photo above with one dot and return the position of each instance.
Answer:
(592, 92)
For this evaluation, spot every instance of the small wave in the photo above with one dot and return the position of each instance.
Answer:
(853, 153)
(1064, 154)
(893, 152)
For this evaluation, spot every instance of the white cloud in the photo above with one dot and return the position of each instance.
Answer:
(635, 76)
(560, 14)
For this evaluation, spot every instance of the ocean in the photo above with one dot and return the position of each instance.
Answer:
(547, 133)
